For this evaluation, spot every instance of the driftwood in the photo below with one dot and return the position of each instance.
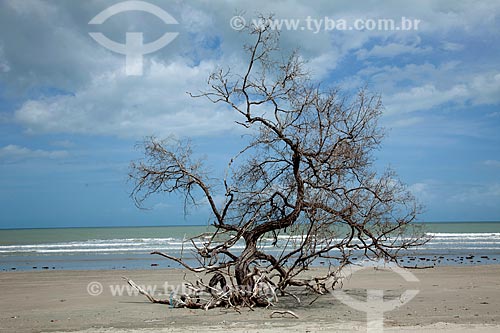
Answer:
(151, 298)
(218, 292)
(283, 312)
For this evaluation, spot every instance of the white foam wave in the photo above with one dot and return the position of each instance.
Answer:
(440, 240)
(465, 235)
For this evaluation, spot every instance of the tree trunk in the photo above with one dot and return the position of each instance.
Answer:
(242, 267)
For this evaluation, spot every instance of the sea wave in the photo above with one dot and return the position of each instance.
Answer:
(439, 241)
(464, 235)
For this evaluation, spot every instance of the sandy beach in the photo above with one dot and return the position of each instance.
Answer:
(450, 298)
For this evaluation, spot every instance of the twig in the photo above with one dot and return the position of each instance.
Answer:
(150, 297)
(314, 300)
(283, 312)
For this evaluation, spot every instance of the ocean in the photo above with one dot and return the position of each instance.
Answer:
(463, 243)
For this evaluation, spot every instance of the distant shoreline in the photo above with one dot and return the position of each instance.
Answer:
(113, 227)
(193, 225)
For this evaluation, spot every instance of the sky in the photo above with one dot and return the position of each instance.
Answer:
(71, 115)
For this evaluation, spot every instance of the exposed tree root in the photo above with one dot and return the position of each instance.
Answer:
(223, 291)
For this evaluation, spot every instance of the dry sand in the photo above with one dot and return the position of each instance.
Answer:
(450, 299)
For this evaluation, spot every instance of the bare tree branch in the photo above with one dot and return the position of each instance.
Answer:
(303, 190)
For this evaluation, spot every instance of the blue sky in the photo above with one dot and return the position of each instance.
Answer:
(70, 116)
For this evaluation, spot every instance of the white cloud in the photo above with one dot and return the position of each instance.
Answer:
(4, 65)
(435, 193)
(119, 105)
(390, 78)
(112, 104)
(391, 50)
(423, 98)
(449, 84)
(486, 88)
(452, 47)
(320, 66)
(479, 194)
(63, 143)
(406, 122)
(423, 191)
(492, 163)
(459, 201)
(162, 206)
(15, 152)
(46, 45)
(493, 115)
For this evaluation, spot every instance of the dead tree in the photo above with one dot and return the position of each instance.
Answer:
(305, 184)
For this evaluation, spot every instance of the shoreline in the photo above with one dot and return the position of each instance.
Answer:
(449, 298)
(147, 262)
(129, 247)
